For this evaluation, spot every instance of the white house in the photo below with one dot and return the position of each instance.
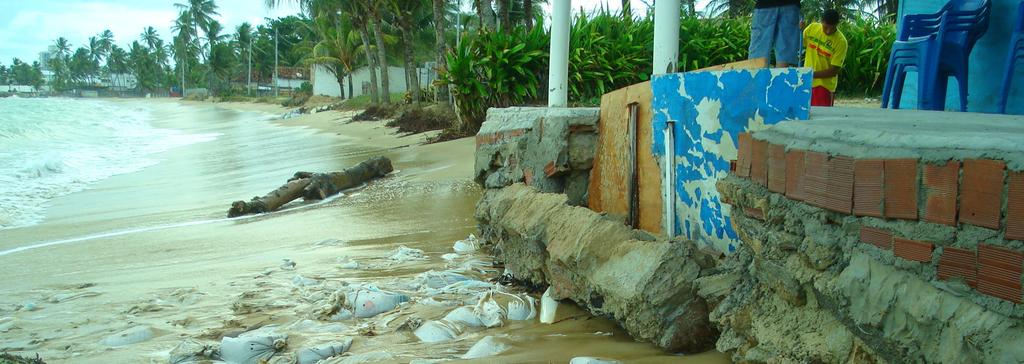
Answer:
(325, 84)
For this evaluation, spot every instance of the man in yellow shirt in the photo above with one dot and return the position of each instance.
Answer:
(825, 53)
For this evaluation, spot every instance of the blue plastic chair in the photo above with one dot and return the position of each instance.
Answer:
(1015, 54)
(937, 46)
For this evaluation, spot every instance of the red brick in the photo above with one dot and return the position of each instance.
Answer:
(877, 237)
(755, 213)
(816, 178)
(759, 162)
(744, 150)
(999, 272)
(912, 250)
(777, 168)
(901, 189)
(956, 262)
(981, 196)
(867, 187)
(795, 175)
(839, 187)
(1015, 207)
(940, 186)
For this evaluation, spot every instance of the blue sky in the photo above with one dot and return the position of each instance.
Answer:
(28, 27)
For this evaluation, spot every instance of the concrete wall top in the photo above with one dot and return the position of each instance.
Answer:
(710, 109)
(932, 136)
(986, 64)
(516, 118)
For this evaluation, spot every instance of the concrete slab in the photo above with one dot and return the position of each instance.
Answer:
(932, 136)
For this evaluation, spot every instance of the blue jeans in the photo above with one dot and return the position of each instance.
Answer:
(776, 28)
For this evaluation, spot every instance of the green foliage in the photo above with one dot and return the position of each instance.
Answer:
(869, 43)
(305, 88)
(608, 51)
(495, 69)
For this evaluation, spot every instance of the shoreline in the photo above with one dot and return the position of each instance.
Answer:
(222, 277)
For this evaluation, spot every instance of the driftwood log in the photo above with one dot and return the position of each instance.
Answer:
(313, 186)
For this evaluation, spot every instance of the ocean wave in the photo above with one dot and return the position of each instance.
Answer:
(53, 147)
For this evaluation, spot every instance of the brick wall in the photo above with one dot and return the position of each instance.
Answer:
(960, 193)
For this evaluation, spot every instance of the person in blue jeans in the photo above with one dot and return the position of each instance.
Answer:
(776, 25)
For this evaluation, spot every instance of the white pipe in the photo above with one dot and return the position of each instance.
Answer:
(668, 183)
(666, 36)
(558, 65)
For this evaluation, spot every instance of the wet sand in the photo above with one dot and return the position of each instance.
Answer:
(152, 249)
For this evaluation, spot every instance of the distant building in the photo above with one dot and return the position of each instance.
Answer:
(326, 84)
(291, 77)
(45, 56)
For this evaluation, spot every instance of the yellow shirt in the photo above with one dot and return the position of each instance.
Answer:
(824, 51)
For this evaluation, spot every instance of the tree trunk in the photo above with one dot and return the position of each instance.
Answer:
(313, 186)
(485, 12)
(340, 76)
(351, 93)
(441, 95)
(412, 83)
(382, 55)
(371, 63)
(271, 201)
(504, 21)
(528, 14)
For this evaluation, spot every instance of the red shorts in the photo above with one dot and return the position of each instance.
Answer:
(821, 96)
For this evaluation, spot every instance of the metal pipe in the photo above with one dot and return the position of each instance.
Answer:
(666, 36)
(558, 70)
(668, 183)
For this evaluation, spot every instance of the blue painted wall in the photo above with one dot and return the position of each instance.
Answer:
(710, 110)
(986, 64)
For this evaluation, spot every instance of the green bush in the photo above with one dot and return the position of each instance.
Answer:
(305, 88)
(608, 51)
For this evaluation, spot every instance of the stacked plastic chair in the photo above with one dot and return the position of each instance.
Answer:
(1015, 54)
(936, 46)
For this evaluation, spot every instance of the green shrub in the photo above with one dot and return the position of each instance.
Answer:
(608, 51)
(305, 88)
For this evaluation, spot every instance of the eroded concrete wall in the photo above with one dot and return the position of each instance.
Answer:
(551, 149)
(645, 284)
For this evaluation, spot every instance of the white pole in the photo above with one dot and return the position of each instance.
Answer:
(248, 73)
(275, 64)
(558, 71)
(669, 195)
(666, 36)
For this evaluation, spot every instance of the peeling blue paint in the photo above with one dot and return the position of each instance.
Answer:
(703, 145)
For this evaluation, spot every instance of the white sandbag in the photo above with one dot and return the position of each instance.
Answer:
(436, 280)
(366, 303)
(130, 336)
(350, 264)
(300, 281)
(437, 331)
(468, 245)
(593, 360)
(252, 347)
(522, 308)
(450, 257)
(314, 354)
(548, 307)
(405, 254)
(489, 311)
(464, 315)
(488, 346)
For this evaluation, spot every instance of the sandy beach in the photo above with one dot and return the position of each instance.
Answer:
(139, 263)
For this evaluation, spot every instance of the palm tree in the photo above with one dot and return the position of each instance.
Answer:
(200, 14)
(442, 47)
(149, 37)
(729, 8)
(117, 63)
(63, 47)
